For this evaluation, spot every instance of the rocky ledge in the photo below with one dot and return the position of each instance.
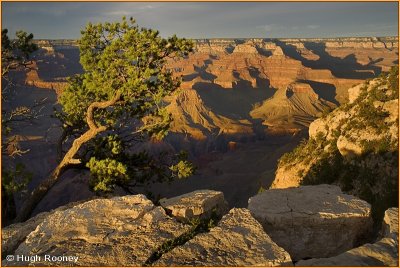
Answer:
(191, 230)
(312, 221)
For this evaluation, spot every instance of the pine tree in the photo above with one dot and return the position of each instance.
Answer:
(114, 105)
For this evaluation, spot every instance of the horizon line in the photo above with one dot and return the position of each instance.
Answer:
(241, 38)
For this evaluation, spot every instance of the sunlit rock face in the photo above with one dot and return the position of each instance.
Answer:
(122, 231)
(311, 221)
(237, 240)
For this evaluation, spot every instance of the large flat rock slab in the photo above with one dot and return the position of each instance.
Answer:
(312, 221)
(238, 240)
(197, 204)
(381, 253)
(122, 231)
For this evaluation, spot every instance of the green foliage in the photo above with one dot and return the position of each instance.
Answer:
(182, 169)
(124, 62)
(106, 173)
(378, 146)
(326, 111)
(13, 180)
(14, 55)
(393, 80)
(131, 60)
(261, 190)
(306, 151)
(373, 184)
(373, 176)
(15, 52)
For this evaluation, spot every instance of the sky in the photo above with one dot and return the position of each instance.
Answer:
(65, 20)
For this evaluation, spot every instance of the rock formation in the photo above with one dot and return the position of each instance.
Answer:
(384, 252)
(381, 253)
(238, 240)
(261, 65)
(312, 221)
(197, 204)
(390, 224)
(295, 105)
(122, 231)
(279, 226)
(360, 136)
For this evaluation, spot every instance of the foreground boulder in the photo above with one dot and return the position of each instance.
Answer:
(381, 253)
(122, 231)
(197, 204)
(13, 235)
(238, 240)
(312, 221)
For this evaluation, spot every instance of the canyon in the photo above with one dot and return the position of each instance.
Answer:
(295, 143)
(243, 103)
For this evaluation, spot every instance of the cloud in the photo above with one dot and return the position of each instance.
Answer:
(118, 13)
(313, 26)
(147, 7)
(271, 27)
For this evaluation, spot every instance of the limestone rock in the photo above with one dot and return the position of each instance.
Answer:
(390, 225)
(238, 240)
(381, 253)
(348, 148)
(285, 178)
(295, 105)
(312, 221)
(392, 107)
(13, 235)
(197, 204)
(278, 52)
(245, 48)
(354, 92)
(122, 231)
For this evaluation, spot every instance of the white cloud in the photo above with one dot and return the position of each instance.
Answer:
(271, 27)
(146, 7)
(118, 13)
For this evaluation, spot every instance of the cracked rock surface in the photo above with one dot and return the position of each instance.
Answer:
(121, 231)
(312, 221)
(238, 240)
(15, 234)
(197, 204)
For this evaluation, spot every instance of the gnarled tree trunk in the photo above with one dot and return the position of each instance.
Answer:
(39, 192)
